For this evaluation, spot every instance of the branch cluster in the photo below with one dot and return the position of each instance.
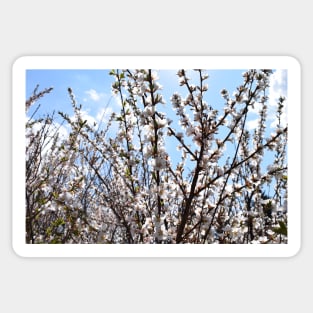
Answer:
(94, 186)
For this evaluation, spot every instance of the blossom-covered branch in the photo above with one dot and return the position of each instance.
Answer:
(227, 183)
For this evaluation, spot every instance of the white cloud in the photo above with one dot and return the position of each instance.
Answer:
(278, 83)
(91, 121)
(53, 129)
(253, 124)
(278, 88)
(94, 95)
(104, 114)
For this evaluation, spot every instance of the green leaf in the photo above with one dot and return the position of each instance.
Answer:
(82, 123)
(42, 201)
(282, 229)
(127, 172)
(123, 154)
(59, 221)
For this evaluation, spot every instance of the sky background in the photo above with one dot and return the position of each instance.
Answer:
(92, 89)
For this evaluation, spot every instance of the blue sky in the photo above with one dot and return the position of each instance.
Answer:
(92, 89)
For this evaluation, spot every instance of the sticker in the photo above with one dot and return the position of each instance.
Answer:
(156, 156)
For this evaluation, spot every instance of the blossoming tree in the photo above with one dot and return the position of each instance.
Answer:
(99, 186)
